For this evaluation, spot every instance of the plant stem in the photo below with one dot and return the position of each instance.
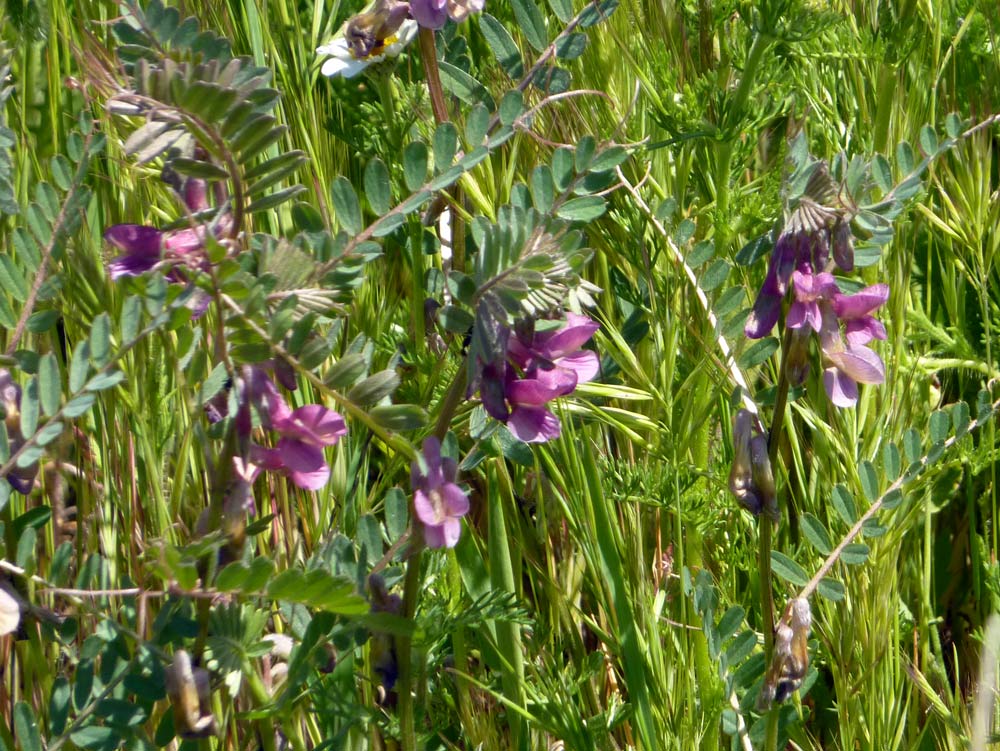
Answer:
(766, 530)
(428, 53)
(404, 645)
(724, 164)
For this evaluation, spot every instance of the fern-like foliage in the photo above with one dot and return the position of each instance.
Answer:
(7, 139)
(209, 111)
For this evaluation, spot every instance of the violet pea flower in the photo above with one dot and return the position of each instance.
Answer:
(439, 503)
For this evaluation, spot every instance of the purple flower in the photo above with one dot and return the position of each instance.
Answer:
(438, 502)
(810, 291)
(540, 367)
(852, 362)
(431, 14)
(143, 247)
(304, 433)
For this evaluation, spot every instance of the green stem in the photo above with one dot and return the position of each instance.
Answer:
(766, 533)
(404, 647)
(730, 133)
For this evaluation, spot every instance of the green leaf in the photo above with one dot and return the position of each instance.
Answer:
(855, 553)
(609, 158)
(29, 408)
(730, 621)
(49, 384)
(571, 46)
(460, 84)
(702, 252)
(346, 205)
(100, 339)
(532, 24)
(400, 416)
(397, 513)
(871, 528)
(455, 319)
(715, 276)
(953, 125)
(928, 140)
(758, 352)
(511, 107)
(270, 201)
(596, 12)
(377, 188)
(904, 157)
(582, 209)
(882, 173)
(232, 577)
(198, 168)
(940, 425)
(445, 146)
(843, 502)
(741, 648)
(103, 381)
(869, 480)
(502, 44)
(563, 9)
(831, 589)
(816, 533)
(59, 705)
(890, 461)
(414, 165)
(131, 317)
(78, 405)
(960, 418)
(213, 384)
(317, 589)
(26, 728)
(892, 499)
(788, 569)
(374, 388)
(912, 445)
(476, 124)
(542, 188)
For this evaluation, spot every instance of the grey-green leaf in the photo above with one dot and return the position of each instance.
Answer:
(346, 205)
(49, 384)
(843, 502)
(788, 569)
(532, 24)
(502, 44)
(816, 533)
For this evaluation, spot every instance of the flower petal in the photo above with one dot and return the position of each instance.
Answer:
(843, 391)
(431, 14)
(452, 529)
(455, 501)
(860, 303)
(534, 424)
(542, 387)
(860, 364)
(585, 363)
(304, 463)
(766, 309)
(349, 68)
(427, 512)
(434, 536)
(314, 424)
(567, 340)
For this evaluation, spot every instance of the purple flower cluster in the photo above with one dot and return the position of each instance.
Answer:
(801, 263)
(143, 247)
(539, 367)
(439, 503)
(303, 433)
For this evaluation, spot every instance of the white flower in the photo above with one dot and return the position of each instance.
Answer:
(342, 61)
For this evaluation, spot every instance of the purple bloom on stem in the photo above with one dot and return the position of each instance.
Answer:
(431, 14)
(438, 502)
(305, 432)
(141, 247)
(810, 289)
(855, 311)
(539, 369)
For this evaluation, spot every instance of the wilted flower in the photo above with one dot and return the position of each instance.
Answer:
(790, 658)
(22, 479)
(143, 247)
(751, 479)
(438, 502)
(367, 38)
(190, 695)
(540, 366)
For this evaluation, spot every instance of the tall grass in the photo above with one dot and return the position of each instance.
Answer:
(578, 575)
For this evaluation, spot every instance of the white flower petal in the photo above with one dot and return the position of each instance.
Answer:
(337, 66)
(406, 33)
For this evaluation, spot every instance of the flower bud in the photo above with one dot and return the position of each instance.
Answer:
(790, 658)
(191, 698)
(750, 478)
(843, 245)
